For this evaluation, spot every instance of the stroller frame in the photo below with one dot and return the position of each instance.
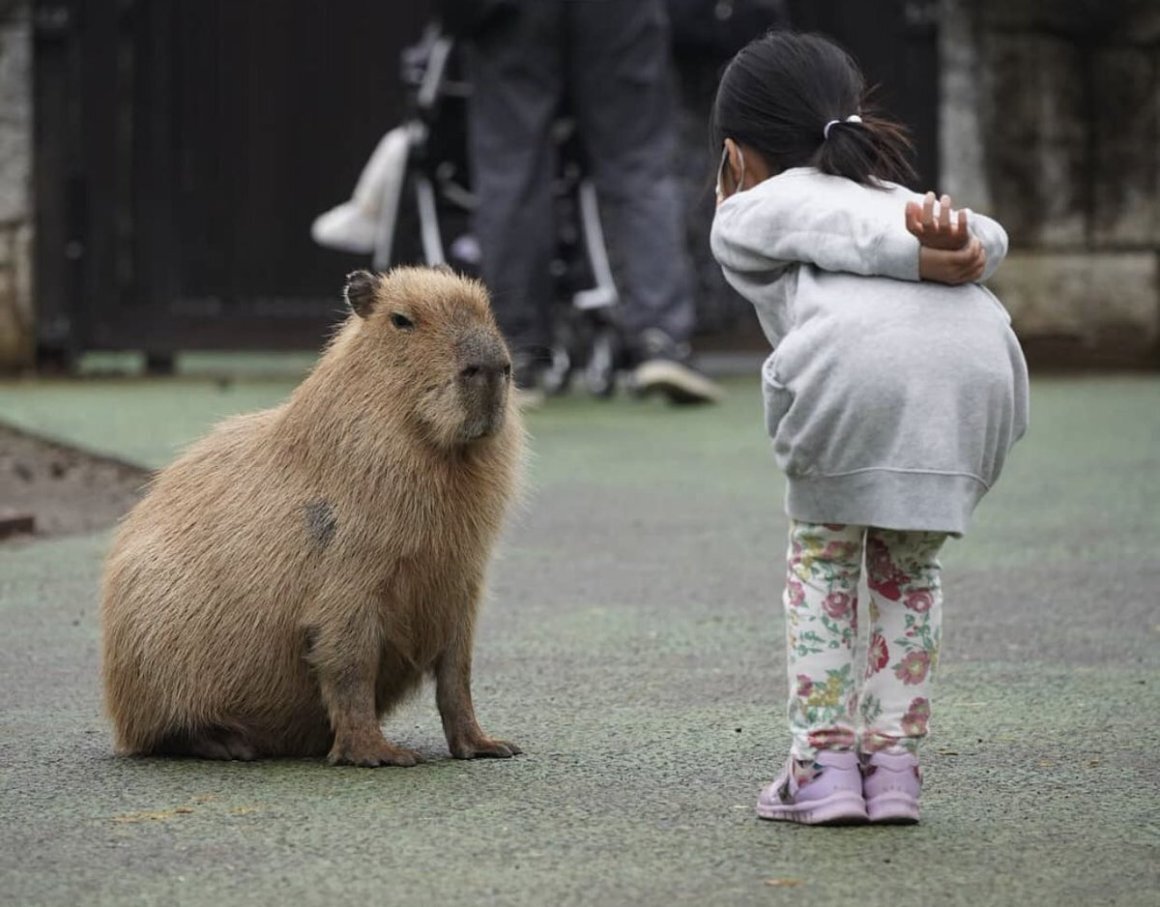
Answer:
(432, 182)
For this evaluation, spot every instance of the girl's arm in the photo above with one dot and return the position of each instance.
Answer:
(994, 239)
(789, 221)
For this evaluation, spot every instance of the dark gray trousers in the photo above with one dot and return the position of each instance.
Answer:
(611, 59)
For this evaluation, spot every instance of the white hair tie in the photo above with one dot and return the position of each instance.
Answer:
(853, 118)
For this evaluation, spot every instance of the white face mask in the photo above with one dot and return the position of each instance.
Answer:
(721, 172)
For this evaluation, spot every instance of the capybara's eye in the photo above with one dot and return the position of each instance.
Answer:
(402, 322)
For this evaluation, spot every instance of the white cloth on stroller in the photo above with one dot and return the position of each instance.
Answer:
(354, 225)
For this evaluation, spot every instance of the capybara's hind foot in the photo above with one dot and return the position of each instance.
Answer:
(370, 753)
(224, 748)
(216, 743)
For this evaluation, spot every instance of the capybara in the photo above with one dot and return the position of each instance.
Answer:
(298, 571)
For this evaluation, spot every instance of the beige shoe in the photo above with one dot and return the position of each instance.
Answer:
(681, 384)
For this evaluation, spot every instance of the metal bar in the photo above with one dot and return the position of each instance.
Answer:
(429, 222)
(604, 294)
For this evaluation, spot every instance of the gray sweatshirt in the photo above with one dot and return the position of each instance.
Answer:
(890, 402)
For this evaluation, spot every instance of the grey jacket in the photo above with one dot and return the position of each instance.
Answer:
(890, 402)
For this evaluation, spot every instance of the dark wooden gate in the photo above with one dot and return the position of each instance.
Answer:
(183, 148)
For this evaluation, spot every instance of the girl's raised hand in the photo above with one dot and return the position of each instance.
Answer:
(953, 266)
(948, 253)
(947, 231)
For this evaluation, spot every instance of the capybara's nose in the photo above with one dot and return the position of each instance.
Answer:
(487, 371)
(484, 363)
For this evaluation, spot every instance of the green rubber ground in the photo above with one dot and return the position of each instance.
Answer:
(633, 646)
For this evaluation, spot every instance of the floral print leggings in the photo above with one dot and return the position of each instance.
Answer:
(826, 708)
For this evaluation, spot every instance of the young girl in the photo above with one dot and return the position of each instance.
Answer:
(892, 401)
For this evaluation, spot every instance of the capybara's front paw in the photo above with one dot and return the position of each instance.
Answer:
(371, 753)
(483, 748)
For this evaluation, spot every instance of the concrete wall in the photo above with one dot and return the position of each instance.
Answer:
(1050, 113)
(16, 213)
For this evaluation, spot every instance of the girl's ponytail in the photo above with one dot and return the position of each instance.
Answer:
(798, 100)
(864, 148)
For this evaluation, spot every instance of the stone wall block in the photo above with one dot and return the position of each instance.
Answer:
(1125, 134)
(16, 349)
(1081, 295)
(16, 209)
(15, 120)
(1154, 111)
(1119, 20)
(16, 313)
(23, 279)
(1039, 85)
(1038, 191)
(1037, 154)
(1035, 15)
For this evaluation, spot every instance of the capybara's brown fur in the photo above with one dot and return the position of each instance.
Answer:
(297, 572)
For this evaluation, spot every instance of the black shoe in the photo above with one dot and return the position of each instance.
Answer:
(665, 367)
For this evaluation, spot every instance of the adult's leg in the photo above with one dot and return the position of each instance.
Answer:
(622, 90)
(515, 68)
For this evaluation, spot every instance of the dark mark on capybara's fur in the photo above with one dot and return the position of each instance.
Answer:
(320, 522)
(297, 572)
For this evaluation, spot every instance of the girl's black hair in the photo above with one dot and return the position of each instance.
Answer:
(780, 91)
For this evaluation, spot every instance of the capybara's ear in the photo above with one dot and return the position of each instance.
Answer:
(444, 268)
(360, 292)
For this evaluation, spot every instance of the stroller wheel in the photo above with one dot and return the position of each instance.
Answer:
(558, 375)
(600, 372)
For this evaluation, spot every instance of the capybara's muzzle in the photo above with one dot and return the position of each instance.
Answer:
(485, 379)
